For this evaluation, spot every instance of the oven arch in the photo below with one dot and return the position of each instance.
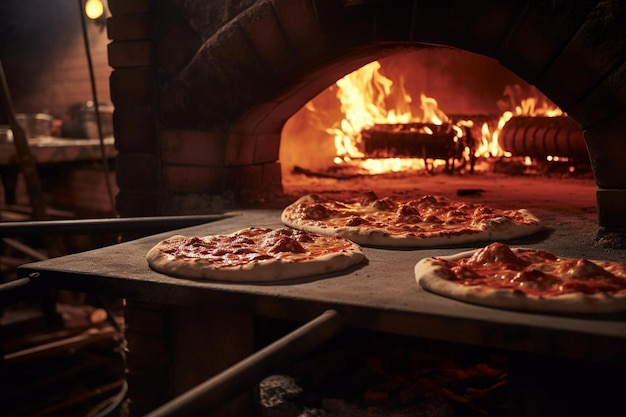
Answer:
(273, 56)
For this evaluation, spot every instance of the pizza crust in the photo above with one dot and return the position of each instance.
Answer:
(431, 274)
(267, 270)
(497, 229)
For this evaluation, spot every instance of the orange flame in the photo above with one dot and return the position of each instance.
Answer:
(363, 95)
(516, 106)
(369, 98)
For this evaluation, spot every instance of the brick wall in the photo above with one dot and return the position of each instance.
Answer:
(44, 58)
(233, 72)
(45, 63)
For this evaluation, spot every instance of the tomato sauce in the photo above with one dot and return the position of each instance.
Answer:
(537, 272)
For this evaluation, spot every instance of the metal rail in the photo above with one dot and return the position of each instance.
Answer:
(18, 290)
(110, 225)
(216, 391)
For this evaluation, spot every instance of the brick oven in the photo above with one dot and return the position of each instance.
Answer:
(202, 89)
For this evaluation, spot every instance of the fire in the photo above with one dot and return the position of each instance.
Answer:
(367, 98)
(489, 145)
(363, 95)
(516, 106)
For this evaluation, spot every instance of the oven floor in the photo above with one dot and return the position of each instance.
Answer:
(561, 193)
(567, 201)
(564, 199)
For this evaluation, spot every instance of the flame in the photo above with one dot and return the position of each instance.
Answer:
(489, 145)
(363, 95)
(368, 98)
(528, 106)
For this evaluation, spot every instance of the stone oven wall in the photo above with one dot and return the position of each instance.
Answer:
(202, 89)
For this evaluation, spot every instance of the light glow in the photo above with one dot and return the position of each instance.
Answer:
(94, 9)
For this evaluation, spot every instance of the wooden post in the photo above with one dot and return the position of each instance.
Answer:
(25, 158)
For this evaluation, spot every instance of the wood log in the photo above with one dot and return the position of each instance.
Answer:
(538, 137)
(411, 140)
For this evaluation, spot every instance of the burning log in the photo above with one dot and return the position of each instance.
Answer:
(538, 137)
(414, 140)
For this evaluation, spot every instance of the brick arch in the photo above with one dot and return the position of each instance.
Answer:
(274, 48)
(561, 50)
(540, 43)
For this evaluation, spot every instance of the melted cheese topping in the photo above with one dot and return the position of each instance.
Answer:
(255, 244)
(535, 272)
(426, 216)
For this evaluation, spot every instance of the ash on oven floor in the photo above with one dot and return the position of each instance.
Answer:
(381, 375)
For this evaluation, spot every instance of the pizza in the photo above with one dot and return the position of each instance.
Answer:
(526, 279)
(253, 254)
(425, 221)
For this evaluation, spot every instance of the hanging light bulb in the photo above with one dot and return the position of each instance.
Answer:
(94, 9)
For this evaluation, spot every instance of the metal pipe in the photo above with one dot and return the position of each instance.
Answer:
(96, 105)
(17, 290)
(112, 225)
(215, 391)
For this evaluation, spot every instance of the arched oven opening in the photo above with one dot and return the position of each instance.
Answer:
(417, 118)
(424, 112)
(218, 95)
